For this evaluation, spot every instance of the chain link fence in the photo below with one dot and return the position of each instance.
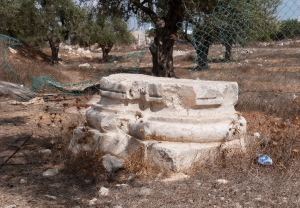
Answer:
(254, 43)
(246, 42)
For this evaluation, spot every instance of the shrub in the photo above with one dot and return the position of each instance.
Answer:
(289, 29)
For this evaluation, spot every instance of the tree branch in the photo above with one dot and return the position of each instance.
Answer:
(153, 16)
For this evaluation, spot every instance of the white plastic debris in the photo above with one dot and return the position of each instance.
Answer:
(264, 160)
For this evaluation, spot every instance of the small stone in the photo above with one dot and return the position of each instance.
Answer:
(198, 182)
(50, 172)
(88, 181)
(12, 50)
(285, 200)
(103, 191)
(23, 181)
(92, 202)
(145, 191)
(176, 177)
(112, 163)
(84, 65)
(256, 135)
(191, 201)
(10, 206)
(117, 206)
(45, 151)
(121, 185)
(222, 181)
(238, 205)
(51, 197)
(159, 175)
(132, 177)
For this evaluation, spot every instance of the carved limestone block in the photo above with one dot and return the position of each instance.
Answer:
(177, 120)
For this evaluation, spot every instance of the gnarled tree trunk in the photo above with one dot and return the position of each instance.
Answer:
(202, 48)
(166, 29)
(54, 45)
(202, 52)
(230, 39)
(162, 56)
(105, 51)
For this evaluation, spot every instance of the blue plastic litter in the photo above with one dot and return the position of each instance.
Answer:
(264, 160)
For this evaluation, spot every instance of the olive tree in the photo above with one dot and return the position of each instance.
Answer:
(231, 22)
(36, 21)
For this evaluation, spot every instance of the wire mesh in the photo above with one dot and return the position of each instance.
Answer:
(246, 42)
(254, 43)
(5, 43)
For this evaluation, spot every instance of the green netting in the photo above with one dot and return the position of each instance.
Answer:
(5, 43)
(38, 84)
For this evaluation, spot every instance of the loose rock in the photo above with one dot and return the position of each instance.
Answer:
(146, 191)
(84, 65)
(93, 201)
(222, 181)
(103, 191)
(50, 172)
(256, 135)
(23, 181)
(45, 151)
(51, 197)
(112, 163)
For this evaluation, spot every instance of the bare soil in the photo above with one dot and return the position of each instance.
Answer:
(268, 77)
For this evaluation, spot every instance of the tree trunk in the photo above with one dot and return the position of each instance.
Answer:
(162, 48)
(230, 39)
(162, 56)
(105, 51)
(54, 45)
(202, 53)
(202, 49)
(228, 46)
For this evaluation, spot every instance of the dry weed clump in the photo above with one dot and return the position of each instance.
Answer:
(137, 162)
(283, 143)
(85, 164)
(140, 163)
(280, 104)
(24, 71)
(280, 142)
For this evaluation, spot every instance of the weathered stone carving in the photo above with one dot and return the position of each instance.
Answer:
(177, 120)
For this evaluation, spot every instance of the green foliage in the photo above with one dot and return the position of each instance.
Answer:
(104, 24)
(113, 31)
(288, 29)
(151, 33)
(230, 22)
(240, 20)
(19, 19)
(34, 21)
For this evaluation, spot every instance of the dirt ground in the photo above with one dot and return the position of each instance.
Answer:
(232, 179)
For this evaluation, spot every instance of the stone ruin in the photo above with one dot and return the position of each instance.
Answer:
(176, 122)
